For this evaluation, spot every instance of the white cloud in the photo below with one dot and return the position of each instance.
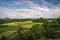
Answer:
(33, 5)
(30, 3)
(5, 12)
(19, 13)
(36, 11)
(28, 13)
(49, 4)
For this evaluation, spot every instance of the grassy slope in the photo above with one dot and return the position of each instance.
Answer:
(13, 26)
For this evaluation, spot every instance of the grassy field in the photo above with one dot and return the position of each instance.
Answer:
(13, 26)
(9, 29)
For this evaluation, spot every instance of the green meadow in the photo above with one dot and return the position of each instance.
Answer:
(39, 29)
(14, 26)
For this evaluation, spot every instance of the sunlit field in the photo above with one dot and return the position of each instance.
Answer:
(43, 28)
(14, 26)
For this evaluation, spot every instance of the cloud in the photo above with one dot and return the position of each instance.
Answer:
(53, 13)
(28, 13)
(33, 5)
(36, 10)
(49, 4)
(5, 12)
(29, 3)
(18, 13)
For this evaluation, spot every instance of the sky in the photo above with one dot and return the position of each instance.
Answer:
(29, 8)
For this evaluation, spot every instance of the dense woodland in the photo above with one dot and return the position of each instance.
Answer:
(49, 29)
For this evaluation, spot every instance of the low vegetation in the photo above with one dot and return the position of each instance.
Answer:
(30, 30)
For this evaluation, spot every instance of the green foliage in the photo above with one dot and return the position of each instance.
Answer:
(3, 38)
(29, 30)
(33, 33)
(51, 29)
(20, 34)
(37, 31)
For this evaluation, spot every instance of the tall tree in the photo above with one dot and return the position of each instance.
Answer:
(50, 30)
(37, 31)
(20, 34)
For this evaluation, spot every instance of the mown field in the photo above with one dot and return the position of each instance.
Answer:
(9, 29)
